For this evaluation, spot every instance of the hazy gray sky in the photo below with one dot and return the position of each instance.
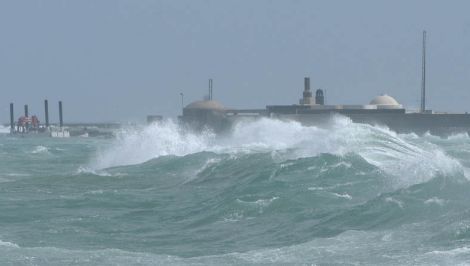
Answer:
(121, 60)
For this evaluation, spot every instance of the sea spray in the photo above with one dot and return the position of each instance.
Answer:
(4, 129)
(137, 145)
(399, 156)
(270, 191)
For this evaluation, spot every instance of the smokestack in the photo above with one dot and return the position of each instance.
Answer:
(26, 113)
(61, 121)
(210, 89)
(12, 119)
(307, 84)
(423, 76)
(46, 113)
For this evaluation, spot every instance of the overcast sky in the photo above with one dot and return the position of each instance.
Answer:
(122, 60)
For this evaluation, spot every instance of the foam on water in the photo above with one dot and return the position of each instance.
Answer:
(269, 192)
(40, 149)
(452, 252)
(435, 200)
(98, 172)
(4, 129)
(401, 156)
(349, 248)
(344, 196)
(134, 146)
(8, 244)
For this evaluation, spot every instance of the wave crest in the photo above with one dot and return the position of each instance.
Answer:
(409, 158)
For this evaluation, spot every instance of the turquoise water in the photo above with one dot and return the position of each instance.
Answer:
(269, 192)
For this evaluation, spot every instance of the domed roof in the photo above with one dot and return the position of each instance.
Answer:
(384, 100)
(205, 105)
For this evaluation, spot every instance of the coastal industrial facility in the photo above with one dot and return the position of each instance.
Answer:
(382, 110)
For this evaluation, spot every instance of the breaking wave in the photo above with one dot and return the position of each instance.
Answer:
(409, 158)
(269, 191)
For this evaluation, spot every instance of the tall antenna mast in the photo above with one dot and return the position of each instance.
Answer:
(423, 76)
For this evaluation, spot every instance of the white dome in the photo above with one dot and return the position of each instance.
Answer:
(205, 105)
(384, 100)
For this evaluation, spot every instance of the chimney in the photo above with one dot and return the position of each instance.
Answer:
(307, 84)
(210, 89)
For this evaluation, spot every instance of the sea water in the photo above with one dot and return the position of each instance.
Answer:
(268, 191)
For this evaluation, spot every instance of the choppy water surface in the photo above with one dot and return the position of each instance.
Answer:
(269, 192)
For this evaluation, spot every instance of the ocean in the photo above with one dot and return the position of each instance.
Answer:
(268, 192)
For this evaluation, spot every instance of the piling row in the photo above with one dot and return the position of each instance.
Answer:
(26, 114)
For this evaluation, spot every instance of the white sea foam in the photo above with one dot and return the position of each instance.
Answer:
(403, 156)
(259, 202)
(40, 149)
(350, 247)
(210, 162)
(315, 188)
(134, 146)
(395, 201)
(435, 200)
(344, 196)
(87, 170)
(8, 244)
(452, 252)
(233, 217)
(4, 129)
